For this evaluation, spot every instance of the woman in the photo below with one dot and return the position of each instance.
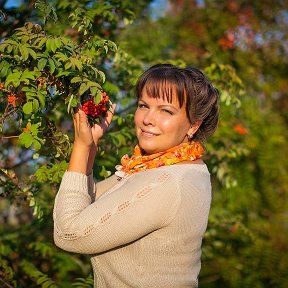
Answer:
(146, 225)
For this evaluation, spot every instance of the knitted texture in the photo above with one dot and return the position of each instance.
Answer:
(143, 231)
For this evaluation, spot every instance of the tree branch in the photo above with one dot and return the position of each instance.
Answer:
(5, 283)
(8, 137)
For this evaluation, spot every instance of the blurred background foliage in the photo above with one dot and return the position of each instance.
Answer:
(242, 47)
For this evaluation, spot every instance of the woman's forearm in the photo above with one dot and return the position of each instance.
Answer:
(82, 159)
(91, 159)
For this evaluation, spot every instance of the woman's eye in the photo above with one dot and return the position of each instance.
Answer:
(168, 111)
(140, 105)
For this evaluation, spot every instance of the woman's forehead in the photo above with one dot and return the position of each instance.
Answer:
(165, 90)
(160, 99)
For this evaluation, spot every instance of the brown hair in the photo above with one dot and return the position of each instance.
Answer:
(192, 89)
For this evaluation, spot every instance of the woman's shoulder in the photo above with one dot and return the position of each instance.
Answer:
(191, 175)
(173, 173)
(188, 167)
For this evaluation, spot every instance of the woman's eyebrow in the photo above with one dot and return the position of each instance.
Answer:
(168, 105)
(162, 105)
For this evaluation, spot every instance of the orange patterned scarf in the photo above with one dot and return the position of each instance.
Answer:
(138, 162)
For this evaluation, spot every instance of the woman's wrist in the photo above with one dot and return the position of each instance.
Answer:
(80, 160)
(82, 146)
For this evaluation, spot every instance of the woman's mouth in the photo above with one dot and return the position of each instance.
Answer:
(148, 133)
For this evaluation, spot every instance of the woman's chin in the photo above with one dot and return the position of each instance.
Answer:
(147, 150)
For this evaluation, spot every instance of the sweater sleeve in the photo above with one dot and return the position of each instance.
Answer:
(141, 205)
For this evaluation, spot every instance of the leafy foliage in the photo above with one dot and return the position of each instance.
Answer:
(43, 77)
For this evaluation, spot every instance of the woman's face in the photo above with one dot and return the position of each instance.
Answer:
(160, 125)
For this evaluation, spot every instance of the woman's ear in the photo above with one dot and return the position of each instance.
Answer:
(194, 127)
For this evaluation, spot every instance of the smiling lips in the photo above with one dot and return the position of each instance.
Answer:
(148, 133)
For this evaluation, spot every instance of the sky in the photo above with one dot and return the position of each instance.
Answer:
(16, 3)
(155, 4)
(12, 3)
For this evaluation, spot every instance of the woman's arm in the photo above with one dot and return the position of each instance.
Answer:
(146, 202)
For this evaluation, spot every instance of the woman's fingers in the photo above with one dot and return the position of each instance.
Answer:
(81, 124)
(108, 118)
(76, 122)
(82, 118)
(83, 129)
(99, 129)
(105, 122)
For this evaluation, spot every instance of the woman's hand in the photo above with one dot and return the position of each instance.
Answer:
(88, 136)
(98, 130)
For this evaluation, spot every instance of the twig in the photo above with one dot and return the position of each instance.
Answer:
(10, 112)
(5, 283)
(8, 137)
(7, 113)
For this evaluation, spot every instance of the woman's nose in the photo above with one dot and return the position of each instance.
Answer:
(149, 118)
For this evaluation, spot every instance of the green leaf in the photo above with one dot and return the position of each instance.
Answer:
(102, 76)
(48, 45)
(32, 53)
(83, 88)
(28, 89)
(63, 73)
(30, 95)
(14, 78)
(68, 65)
(47, 11)
(35, 105)
(34, 129)
(3, 46)
(93, 84)
(58, 42)
(28, 107)
(41, 280)
(11, 41)
(42, 63)
(28, 75)
(42, 42)
(98, 97)
(5, 68)
(41, 98)
(26, 139)
(10, 49)
(62, 57)
(37, 144)
(112, 45)
(94, 90)
(51, 65)
(4, 71)
(76, 79)
(36, 156)
(24, 52)
(53, 45)
(76, 62)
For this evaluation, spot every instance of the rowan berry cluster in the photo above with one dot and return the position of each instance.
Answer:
(96, 110)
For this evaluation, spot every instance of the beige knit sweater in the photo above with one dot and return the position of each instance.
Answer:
(143, 231)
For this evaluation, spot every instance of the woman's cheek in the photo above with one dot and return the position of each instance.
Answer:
(167, 123)
(137, 117)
